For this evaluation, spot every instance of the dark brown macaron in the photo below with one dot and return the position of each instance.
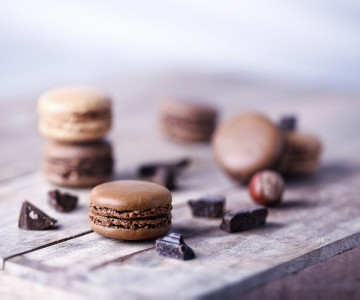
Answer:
(130, 210)
(302, 154)
(78, 165)
(187, 121)
(246, 144)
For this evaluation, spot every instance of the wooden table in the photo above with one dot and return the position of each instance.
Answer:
(320, 217)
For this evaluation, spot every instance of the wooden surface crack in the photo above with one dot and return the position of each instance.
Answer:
(46, 245)
(121, 259)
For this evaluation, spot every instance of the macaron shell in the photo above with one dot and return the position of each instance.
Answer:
(246, 144)
(130, 195)
(77, 151)
(303, 167)
(130, 235)
(187, 121)
(188, 109)
(75, 132)
(78, 99)
(74, 114)
(187, 133)
(303, 143)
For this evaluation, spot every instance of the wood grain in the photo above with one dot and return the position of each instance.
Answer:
(319, 218)
(310, 227)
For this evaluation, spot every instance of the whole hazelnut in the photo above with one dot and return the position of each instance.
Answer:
(266, 188)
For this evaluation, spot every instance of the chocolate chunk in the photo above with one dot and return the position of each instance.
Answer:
(209, 206)
(243, 219)
(150, 169)
(173, 246)
(165, 176)
(288, 123)
(164, 173)
(32, 218)
(62, 202)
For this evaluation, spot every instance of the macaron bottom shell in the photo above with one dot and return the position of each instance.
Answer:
(129, 234)
(71, 132)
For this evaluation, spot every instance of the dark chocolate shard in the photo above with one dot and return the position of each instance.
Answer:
(288, 123)
(208, 206)
(62, 202)
(243, 219)
(148, 170)
(173, 246)
(166, 177)
(32, 218)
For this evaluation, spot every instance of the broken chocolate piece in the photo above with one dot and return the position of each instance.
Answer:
(164, 173)
(288, 123)
(62, 202)
(209, 206)
(173, 246)
(150, 169)
(165, 176)
(32, 218)
(243, 219)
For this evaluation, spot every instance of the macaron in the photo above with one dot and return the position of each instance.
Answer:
(187, 121)
(78, 165)
(247, 143)
(302, 154)
(74, 114)
(130, 210)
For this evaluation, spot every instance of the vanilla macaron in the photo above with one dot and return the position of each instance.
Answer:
(74, 114)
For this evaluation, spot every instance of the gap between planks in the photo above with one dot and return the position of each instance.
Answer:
(43, 246)
(118, 259)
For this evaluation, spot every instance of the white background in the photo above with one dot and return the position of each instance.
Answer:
(311, 43)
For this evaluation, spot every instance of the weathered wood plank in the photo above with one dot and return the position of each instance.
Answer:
(226, 263)
(200, 176)
(313, 224)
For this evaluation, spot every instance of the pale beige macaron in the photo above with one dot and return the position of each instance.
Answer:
(74, 114)
(130, 210)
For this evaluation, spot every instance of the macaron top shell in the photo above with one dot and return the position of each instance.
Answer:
(130, 195)
(78, 99)
(190, 109)
(304, 142)
(246, 144)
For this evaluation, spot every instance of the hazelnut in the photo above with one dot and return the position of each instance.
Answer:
(266, 188)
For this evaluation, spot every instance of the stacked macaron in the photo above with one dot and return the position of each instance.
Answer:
(76, 119)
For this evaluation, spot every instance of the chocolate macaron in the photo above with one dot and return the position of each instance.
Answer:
(78, 165)
(302, 154)
(130, 210)
(74, 114)
(247, 143)
(187, 121)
